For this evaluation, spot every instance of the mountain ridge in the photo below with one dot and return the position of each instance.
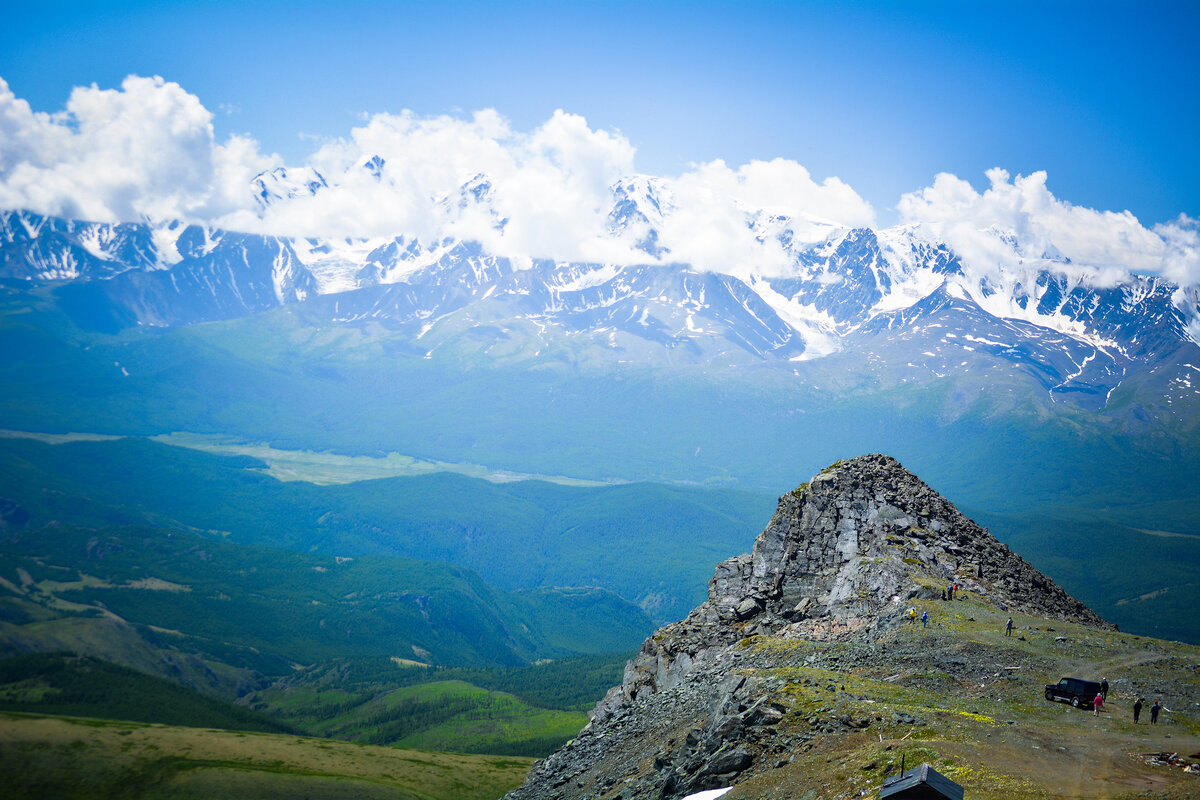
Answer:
(843, 293)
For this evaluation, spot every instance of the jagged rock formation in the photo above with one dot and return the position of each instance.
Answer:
(839, 562)
(843, 553)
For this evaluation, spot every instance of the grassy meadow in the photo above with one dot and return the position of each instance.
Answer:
(82, 759)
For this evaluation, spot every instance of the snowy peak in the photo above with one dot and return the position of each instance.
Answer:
(843, 280)
(906, 299)
(640, 205)
(124, 243)
(283, 183)
(374, 167)
(40, 248)
(472, 211)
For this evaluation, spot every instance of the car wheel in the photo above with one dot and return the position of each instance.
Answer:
(1050, 695)
(1075, 702)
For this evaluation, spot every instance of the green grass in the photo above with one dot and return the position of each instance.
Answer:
(458, 717)
(570, 684)
(58, 683)
(993, 733)
(451, 716)
(526, 711)
(70, 758)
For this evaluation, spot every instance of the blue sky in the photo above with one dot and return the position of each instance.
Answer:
(1103, 96)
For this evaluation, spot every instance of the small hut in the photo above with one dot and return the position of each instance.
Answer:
(920, 783)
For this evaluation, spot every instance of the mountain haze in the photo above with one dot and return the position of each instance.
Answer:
(1032, 387)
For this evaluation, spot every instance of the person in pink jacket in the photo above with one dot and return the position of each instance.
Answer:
(1097, 705)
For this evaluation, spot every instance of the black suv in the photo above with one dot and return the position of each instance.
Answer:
(1078, 692)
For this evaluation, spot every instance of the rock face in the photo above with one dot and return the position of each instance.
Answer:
(839, 561)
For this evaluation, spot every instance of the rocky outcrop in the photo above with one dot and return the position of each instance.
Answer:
(842, 554)
(840, 560)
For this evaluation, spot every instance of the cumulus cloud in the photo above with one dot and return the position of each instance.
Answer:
(714, 202)
(784, 187)
(546, 192)
(1181, 259)
(144, 150)
(1019, 221)
(147, 150)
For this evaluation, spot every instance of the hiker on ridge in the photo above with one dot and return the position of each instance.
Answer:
(1008, 627)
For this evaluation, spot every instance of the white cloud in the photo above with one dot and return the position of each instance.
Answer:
(144, 150)
(785, 187)
(550, 187)
(1181, 259)
(714, 202)
(147, 150)
(982, 227)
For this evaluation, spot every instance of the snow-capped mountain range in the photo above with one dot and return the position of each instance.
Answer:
(893, 297)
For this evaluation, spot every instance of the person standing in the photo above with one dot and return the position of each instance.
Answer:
(924, 619)
(1008, 627)
(912, 615)
(1097, 705)
(1137, 710)
(1154, 709)
(1104, 688)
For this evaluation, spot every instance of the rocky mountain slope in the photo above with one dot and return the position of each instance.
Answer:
(803, 676)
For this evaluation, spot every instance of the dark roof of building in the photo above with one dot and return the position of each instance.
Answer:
(923, 782)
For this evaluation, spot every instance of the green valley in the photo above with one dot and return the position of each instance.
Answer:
(520, 535)
(64, 684)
